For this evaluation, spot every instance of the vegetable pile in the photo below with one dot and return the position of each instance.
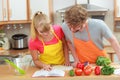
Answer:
(103, 67)
(104, 61)
(81, 68)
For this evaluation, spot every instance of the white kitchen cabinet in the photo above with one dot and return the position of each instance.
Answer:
(12, 10)
(1, 13)
(39, 5)
(17, 9)
(3, 10)
(117, 15)
(21, 11)
(118, 8)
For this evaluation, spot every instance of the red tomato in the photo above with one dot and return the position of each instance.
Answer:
(88, 70)
(80, 66)
(97, 70)
(78, 71)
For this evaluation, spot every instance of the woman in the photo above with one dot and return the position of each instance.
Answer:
(47, 44)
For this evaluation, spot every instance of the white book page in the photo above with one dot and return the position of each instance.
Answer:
(53, 72)
(57, 70)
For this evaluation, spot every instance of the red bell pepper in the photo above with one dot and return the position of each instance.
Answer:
(80, 66)
(97, 70)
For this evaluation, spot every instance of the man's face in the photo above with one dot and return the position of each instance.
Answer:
(75, 28)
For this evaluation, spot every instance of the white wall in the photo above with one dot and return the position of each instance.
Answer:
(82, 1)
(59, 4)
(103, 3)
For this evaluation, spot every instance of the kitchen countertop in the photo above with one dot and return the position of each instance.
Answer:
(108, 49)
(6, 74)
(10, 54)
(14, 52)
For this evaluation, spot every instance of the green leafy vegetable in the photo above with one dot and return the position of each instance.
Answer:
(71, 72)
(107, 70)
(103, 61)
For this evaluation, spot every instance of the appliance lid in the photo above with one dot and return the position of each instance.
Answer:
(19, 36)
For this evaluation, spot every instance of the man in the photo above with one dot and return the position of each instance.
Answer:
(85, 36)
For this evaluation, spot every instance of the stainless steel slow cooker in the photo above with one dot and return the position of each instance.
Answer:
(19, 41)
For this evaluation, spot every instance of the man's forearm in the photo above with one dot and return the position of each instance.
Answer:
(115, 45)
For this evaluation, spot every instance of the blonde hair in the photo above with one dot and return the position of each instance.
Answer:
(75, 15)
(39, 20)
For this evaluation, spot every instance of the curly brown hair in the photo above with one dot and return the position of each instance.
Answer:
(75, 15)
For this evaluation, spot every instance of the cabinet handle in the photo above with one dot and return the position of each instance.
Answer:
(30, 13)
(118, 12)
(10, 13)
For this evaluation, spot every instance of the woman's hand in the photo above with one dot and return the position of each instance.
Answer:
(47, 67)
(67, 63)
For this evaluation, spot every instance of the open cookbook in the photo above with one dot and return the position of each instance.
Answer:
(58, 70)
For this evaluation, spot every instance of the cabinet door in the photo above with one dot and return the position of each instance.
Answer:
(39, 5)
(118, 8)
(3, 10)
(1, 13)
(17, 9)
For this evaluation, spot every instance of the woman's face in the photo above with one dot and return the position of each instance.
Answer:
(43, 33)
